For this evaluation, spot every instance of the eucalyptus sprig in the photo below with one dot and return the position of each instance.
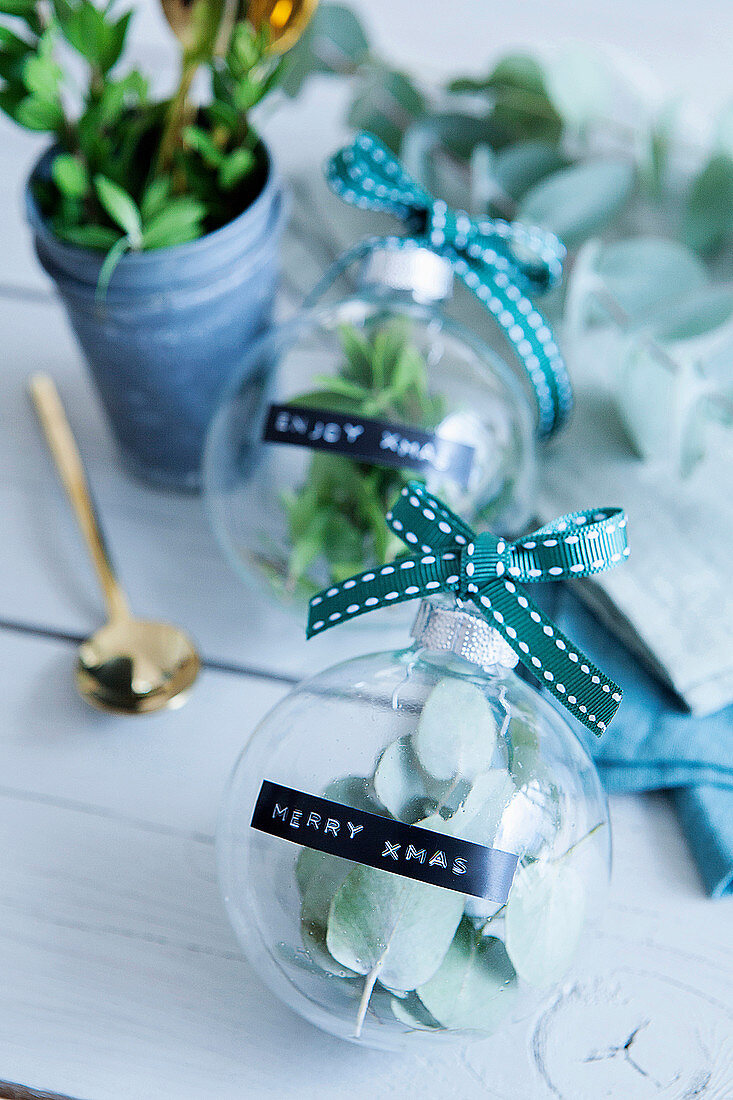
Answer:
(432, 958)
(337, 514)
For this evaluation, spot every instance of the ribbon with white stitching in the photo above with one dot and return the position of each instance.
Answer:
(447, 556)
(501, 262)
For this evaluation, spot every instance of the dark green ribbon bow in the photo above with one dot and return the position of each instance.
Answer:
(500, 262)
(447, 556)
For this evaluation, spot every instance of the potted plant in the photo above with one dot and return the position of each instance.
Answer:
(157, 219)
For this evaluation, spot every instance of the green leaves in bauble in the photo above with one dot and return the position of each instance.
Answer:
(390, 928)
(474, 987)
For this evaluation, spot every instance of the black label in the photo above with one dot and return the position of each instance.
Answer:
(376, 841)
(376, 441)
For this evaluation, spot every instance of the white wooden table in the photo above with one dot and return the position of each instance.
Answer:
(121, 977)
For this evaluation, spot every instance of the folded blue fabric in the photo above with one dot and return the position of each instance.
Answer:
(653, 744)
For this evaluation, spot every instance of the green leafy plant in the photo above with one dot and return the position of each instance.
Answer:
(432, 958)
(130, 171)
(337, 514)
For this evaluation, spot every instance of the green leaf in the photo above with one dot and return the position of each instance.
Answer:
(398, 782)
(645, 272)
(579, 85)
(479, 815)
(12, 45)
(354, 791)
(155, 196)
(709, 213)
(111, 261)
(121, 208)
(195, 137)
(544, 918)
(522, 109)
(385, 923)
(70, 175)
(356, 349)
(41, 76)
(88, 236)
(319, 876)
(387, 104)
(525, 759)
(39, 114)
(521, 166)
(457, 733)
(694, 316)
(237, 165)
(475, 987)
(21, 8)
(411, 1011)
(178, 222)
(577, 202)
(333, 42)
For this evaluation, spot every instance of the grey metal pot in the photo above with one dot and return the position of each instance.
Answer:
(172, 327)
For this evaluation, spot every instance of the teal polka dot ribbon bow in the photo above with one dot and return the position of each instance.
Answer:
(501, 262)
(447, 556)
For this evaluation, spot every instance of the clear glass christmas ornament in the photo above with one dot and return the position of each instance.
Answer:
(443, 736)
(293, 519)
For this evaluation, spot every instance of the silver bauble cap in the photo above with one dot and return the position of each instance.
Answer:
(443, 629)
(427, 276)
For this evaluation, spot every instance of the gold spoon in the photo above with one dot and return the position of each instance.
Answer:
(129, 666)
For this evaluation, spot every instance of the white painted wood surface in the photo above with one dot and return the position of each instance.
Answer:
(121, 977)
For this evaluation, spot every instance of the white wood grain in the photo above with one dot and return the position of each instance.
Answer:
(122, 977)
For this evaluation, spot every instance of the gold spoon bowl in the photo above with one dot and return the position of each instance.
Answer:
(128, 666)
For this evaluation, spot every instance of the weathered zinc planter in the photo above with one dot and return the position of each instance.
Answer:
(172, 326)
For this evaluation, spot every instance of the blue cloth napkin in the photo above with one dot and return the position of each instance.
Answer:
(654, 744)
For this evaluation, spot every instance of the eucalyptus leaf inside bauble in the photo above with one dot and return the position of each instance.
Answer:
(457, 732)
(544, 918)
(475, 985)
(397, 927)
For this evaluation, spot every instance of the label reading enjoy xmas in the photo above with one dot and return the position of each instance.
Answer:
(365, 440)
(376, 841)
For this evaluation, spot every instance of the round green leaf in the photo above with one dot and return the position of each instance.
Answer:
(709, 214)
(579, 85)
(398, 781)
(544, 918)
(521, 166)
(579, 201)
(319, 875)
(645, 272)
(352, 791)
(402, 928)
(457, 733)
(475, 985)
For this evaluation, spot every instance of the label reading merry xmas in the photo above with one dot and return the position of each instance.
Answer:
(376, 841)
(365, 440)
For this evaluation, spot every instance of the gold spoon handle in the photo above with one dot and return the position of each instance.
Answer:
(68, 461)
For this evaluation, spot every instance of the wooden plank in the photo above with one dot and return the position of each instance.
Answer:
(123, 978)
